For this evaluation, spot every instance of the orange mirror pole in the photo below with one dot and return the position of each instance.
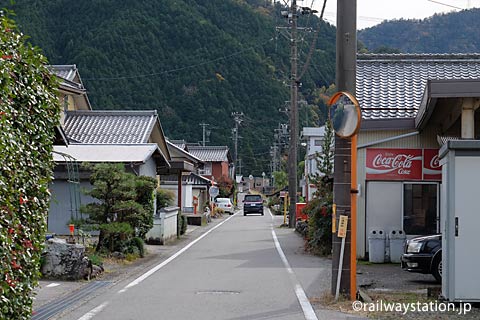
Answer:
(353, 227)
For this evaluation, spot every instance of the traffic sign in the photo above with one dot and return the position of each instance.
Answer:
(213, 191)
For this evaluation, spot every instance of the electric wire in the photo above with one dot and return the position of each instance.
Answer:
(153, 74)
(314, 43)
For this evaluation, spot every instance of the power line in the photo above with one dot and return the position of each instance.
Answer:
(445, 4)
(314, 43)
(153, 74)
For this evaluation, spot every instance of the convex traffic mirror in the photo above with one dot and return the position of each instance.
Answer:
(345, 115)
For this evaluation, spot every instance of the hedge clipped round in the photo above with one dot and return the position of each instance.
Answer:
(29, 112)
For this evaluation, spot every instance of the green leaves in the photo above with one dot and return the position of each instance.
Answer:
(124, 199)
(29, 112)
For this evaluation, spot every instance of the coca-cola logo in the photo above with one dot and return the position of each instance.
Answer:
(402, 163)
(435, 162)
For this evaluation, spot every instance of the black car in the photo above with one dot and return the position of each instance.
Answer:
(424, 255)
(253, 203)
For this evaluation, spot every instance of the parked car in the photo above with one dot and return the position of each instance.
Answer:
(424, 255)
(225, 204)
(253, 203)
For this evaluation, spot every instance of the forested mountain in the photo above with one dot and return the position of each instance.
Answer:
(455, 32)
(192, 60)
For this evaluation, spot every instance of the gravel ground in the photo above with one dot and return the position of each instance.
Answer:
(388, 283)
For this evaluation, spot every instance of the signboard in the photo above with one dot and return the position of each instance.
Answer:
(283, 194)
(432, 170)
(403, 164)
(213, 191)
(342, 226)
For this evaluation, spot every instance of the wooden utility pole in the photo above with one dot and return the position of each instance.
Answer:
(292, 154)
(204, 137)
(345, 81)
(238, 118)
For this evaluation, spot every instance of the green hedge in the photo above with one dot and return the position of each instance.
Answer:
(29, 112)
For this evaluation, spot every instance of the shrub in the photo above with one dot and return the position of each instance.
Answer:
(96, 259)
(319, 232)
(218, 212)
(29, 113)
(113, 234)
(139, 244)
(181, 224)
(165, 198)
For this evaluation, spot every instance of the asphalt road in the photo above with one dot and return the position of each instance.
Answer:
(237, 270)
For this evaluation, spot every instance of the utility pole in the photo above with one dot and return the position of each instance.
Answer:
(292, 15)
(345, 81)
(292, 154)
(240, 166)
(238, 118)
(204, 125)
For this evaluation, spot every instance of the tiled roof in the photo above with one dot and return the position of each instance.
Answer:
(392, 85)
(176, 152)
(192, 178)
(68, 75)
(108, 127)
(210, 153)
(179, 143)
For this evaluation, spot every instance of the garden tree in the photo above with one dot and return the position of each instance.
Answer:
(319, 209)
(29, 112)
(124, 207)
(225, 186)
(280, 179)
(165, 198)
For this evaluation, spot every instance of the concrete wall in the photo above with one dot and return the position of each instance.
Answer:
(164, 226)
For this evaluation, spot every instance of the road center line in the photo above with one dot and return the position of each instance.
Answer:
(301, 296)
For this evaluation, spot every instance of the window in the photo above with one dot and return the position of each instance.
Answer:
(253, 198)
(318, 142)
(420, 208)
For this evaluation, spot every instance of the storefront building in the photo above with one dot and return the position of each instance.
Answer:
(411, 105)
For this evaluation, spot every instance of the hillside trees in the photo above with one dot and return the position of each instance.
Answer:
(193, 61)
(453, 32)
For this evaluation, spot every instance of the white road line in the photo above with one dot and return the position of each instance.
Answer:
(164, 263)
(52, 285)
(92, 313)
(89, 315)
(301, 296)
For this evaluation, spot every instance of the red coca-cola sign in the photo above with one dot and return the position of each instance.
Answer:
(403, 164)
(431, 165)
(394, 164)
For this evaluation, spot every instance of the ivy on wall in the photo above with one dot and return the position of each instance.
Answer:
(29, 112)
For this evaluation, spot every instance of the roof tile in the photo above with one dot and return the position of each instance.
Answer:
(110, 127)
(392, 85)
(210, 153)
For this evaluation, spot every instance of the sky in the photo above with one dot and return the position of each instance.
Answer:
(372, 12)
